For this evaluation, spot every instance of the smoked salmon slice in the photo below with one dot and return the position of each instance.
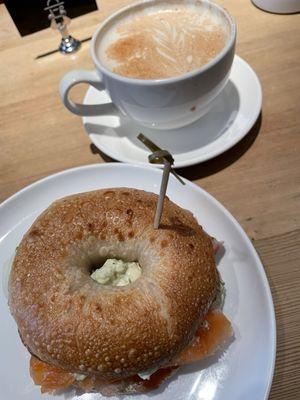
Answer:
(214, 332)
(49, 377)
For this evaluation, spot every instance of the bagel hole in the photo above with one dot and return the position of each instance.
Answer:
(98, 263)
(91, 254)
(114, 271)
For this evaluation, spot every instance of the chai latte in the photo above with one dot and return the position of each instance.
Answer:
(162, 41)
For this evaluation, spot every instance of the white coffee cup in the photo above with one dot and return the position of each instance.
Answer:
(164, 103)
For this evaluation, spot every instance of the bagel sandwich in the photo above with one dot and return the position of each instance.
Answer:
(104, 302)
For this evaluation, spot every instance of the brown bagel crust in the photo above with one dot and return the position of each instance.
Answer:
(67, 319)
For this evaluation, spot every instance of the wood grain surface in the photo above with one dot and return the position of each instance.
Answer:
(258, 180)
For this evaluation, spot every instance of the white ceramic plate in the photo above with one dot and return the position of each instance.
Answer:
(243, 372)
(232, 116)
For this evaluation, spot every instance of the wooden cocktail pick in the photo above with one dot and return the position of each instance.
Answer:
(159, 156)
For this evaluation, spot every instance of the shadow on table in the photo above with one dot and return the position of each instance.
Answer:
(213, 166)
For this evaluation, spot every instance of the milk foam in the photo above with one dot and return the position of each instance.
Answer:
(165, 40)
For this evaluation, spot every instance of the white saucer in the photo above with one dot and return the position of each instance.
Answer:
(243, 371)
(232, 116)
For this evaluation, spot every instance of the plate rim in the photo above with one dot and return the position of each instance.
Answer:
(217, 203)
(212, 154)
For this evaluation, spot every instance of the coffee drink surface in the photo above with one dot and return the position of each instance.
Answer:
(163, 41)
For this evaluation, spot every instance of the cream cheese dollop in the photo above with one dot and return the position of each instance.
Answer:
(117, 272)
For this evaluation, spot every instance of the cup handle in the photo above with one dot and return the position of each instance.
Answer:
(71, 79)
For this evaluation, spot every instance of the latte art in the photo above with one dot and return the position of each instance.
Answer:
(162, 43)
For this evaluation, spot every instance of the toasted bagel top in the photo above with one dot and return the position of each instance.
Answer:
(67, 319)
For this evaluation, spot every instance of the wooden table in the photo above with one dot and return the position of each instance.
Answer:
(258, 180)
